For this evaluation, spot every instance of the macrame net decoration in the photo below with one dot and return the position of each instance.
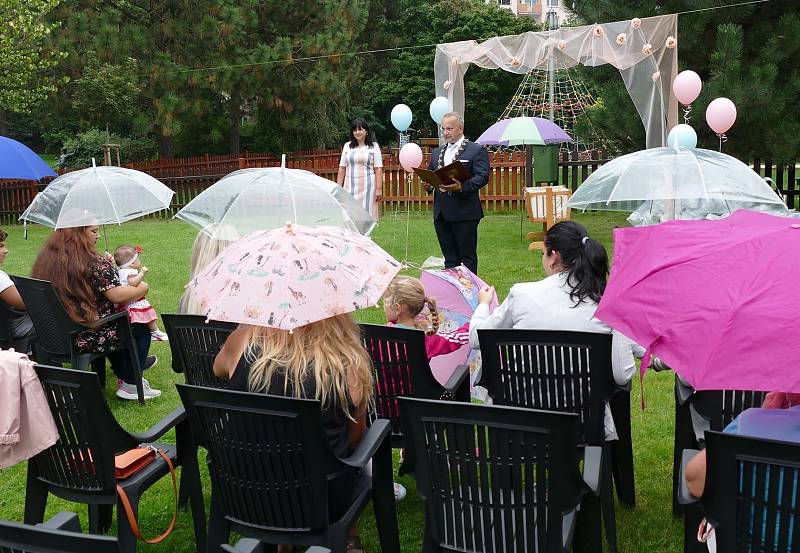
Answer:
(571, 100)
(643, 50)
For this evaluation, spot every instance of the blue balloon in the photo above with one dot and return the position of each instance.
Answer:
(439, 106)
(682, 136)
(401, 117)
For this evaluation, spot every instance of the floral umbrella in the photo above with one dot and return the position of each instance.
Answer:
(292, 276)
(456, 293)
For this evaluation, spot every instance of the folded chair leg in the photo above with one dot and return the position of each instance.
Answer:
(35, 497)
(99, 366)
(607, 502)
(127, 541)
(622, 449)
(692, 515)
(100, 518)
(383, 499)
(588, 527)
(219, 529)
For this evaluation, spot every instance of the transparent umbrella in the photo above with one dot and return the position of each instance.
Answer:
(676, 183)
(262, 199)
(97, 196)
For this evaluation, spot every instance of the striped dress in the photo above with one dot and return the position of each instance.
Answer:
(359, 177)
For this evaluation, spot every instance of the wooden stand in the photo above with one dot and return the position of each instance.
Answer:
(546, 205)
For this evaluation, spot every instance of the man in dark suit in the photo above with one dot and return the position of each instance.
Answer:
(457, 206)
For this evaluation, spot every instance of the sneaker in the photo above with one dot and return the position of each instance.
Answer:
(399, 492)
(126, 390)
(150, 361)
(159, 336)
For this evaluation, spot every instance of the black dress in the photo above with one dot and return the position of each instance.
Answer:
(334, 422)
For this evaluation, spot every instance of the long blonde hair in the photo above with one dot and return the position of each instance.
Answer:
(330, 348)
(204, 250)
(410, 293)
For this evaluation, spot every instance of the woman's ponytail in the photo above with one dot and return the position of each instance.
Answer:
(584, 259)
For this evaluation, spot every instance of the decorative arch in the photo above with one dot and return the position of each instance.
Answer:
(644, 50)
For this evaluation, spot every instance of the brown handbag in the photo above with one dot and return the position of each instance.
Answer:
(129, 463)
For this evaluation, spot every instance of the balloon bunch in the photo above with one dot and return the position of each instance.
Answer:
(720, 113)
(410, 153)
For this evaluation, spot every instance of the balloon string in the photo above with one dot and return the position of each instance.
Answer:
(722, 138)
(408, 213)
(686, 111)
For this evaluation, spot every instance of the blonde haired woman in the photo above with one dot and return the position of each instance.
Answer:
(204, 250)
(323, 360)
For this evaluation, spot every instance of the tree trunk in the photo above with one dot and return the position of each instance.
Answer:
(165, 147)
(235, 115)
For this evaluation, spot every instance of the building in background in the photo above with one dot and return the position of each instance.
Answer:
(536, 8)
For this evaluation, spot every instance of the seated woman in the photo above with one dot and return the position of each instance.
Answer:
(88, 286)
(20, 327)
(766, 422)
(323, 360)
(204, 250)
(577, 269)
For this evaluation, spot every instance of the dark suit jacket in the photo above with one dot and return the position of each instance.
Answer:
(464, 205)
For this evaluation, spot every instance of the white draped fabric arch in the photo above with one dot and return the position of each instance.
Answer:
(644, 50)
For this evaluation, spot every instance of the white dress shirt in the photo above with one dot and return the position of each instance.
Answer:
(546, 305)
(451, 149)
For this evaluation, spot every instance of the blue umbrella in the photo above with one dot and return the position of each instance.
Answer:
(17, 161)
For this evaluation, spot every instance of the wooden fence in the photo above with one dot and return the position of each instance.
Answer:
(190, 176)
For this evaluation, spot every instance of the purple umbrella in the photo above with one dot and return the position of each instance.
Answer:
(17, 161)
(522, 131)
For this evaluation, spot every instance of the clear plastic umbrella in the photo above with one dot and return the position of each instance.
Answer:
(263, 199)
(676, 183)
(97, 196)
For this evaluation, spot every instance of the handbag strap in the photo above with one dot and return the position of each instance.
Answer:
(126, 504)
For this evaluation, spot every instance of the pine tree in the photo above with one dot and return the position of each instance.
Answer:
(746, 53)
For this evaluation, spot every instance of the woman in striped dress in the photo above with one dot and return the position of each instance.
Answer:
(361, 167)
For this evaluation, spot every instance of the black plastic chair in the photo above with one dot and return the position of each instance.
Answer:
(498, 478)
(194, 344)
(751, 493)
(55, 330)
(563, 371)
(6, 315)
(716, 408)
(60, 534)
(80, 466)
(401, 369)
(270, 464)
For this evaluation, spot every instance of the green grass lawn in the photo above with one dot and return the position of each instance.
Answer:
(504, 260)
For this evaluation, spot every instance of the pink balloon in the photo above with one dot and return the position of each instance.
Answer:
(720, 115)
(686, 87)
(410, 156)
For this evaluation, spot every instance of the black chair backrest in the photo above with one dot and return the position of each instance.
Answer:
(195, 344)
(551, 370)
(50, 319)
(24, 538)
(269, 457)
(720, 407)
(494, 478)
(401, 368)
(6, 314)
(751, 493)
(89, 435)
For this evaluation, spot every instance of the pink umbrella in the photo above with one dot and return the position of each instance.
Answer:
(456, 293)
(292, 276)
(716, 300)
